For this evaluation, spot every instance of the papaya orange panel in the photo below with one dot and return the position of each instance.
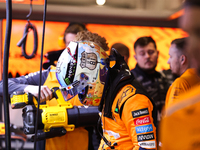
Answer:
(129, 34)
(113, 34)
(21, 65)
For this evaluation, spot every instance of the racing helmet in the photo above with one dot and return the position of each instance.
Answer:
(82, 69)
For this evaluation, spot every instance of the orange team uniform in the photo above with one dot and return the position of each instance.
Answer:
(180, 128)
(182, 84)
(73, 140)
(135, 129)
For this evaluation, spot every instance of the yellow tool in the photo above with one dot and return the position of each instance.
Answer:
(53, 120)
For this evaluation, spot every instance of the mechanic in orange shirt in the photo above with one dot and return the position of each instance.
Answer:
(180, 129)
(80, 138)
(180, 66)
(84, 75)
(180, 126)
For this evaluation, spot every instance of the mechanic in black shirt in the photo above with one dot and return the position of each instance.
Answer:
(155, 83)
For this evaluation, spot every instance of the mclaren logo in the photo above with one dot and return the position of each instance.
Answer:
(127, 91)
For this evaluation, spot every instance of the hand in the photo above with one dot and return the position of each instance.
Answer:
(45, 92)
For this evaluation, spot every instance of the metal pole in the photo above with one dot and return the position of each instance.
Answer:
(5, 73)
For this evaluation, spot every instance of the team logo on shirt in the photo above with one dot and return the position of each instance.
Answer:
(149, 144)
(141, 121)
(140, 112)
(143, 129)
(128, 90)
(145, 137)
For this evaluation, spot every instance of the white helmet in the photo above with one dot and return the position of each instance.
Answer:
(82, 69)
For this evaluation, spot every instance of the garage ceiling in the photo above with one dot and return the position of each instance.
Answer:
(124, 12)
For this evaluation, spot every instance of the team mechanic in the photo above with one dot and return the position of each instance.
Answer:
(128, 114)
(70, 139)
(80, 138)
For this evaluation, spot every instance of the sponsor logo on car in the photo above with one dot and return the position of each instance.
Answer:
(141, 121)
(143, 129)
(145, 137)
(140, 112)
(149, 144)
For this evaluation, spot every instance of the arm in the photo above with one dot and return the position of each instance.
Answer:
(178, 87)
(28, 83)
(137, 117)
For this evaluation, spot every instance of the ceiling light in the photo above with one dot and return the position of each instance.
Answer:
(100, 2)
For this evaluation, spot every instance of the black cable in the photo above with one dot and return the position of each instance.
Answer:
(103, 137)
(30, 12)
(41, 59)
(5, 73)
(22, 42)
(35, 35)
